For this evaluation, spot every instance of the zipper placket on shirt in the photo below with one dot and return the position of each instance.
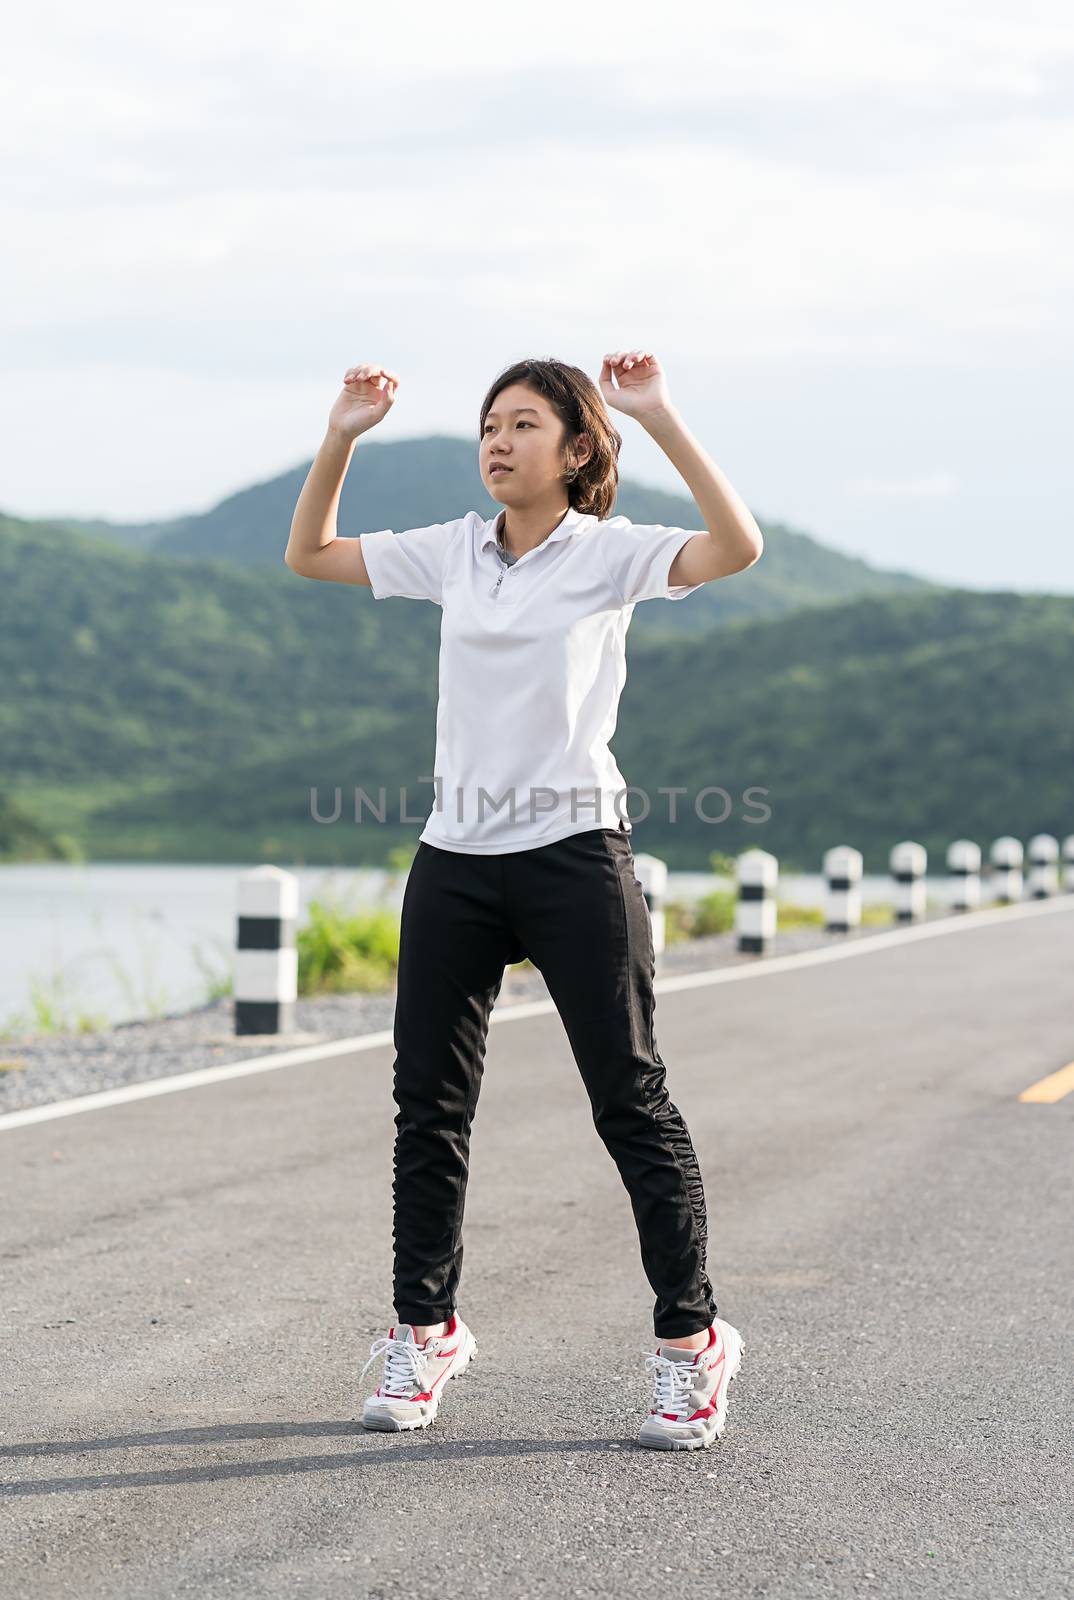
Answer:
(504, 570)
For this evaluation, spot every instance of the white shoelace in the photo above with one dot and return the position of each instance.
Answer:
(672, 1383)
(404, 1367)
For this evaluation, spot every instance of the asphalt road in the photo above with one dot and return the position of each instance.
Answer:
(191, 1284)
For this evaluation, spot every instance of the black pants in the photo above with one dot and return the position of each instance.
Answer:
(575, 908)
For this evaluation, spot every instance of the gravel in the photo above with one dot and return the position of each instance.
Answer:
(39, 1069)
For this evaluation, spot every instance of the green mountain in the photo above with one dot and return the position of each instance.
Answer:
(23, 839)
(414, 482)
(167, 709)
(928, 717)
(129, 673)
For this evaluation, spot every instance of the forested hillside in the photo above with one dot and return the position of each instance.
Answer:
(169, 709)
(414, 482)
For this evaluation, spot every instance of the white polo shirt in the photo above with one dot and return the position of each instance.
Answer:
(532, 666)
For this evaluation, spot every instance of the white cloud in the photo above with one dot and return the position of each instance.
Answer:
(928, 486)
(223, 208)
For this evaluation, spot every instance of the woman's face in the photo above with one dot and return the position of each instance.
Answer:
(524, 434)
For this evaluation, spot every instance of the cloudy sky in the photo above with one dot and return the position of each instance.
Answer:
(845, 229)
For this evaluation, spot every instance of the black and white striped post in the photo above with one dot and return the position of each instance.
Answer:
(1006, 856)
(908, 862)
(964, 874)
(1068, 863)
(266, 958)
(1043, 852)
(842, 888)
(652, 874)
(755, 910)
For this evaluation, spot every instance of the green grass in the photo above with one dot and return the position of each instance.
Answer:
(347, 952)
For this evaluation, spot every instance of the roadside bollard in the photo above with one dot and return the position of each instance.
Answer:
(652, 874)
(755, 910)
(1006, 856)
(908, 862)
(964, 872)
(1068, 863)
(1043, 855)
(266, 960)
(842, 888)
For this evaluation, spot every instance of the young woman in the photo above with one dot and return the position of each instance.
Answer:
(527, 849)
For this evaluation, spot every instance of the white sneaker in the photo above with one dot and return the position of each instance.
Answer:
(413, 1380)
(690, 1391)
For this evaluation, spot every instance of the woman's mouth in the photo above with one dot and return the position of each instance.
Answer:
(495, 471)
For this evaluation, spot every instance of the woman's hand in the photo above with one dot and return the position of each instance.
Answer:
(367, 396)
(642, 387)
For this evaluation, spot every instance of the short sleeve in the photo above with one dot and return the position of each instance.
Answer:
(639, 556)
(409, 564)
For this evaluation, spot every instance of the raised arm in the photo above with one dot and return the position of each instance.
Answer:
(733, 539)
(314, 549)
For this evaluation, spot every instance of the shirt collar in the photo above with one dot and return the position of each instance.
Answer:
(570, 522)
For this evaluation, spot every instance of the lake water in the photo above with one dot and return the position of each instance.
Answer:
(123, 941)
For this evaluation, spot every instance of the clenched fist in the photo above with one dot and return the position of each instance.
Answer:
(367, 396)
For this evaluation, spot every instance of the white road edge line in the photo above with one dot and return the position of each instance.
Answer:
(767, 966)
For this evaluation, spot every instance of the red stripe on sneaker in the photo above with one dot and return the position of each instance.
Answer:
(427, 1394)
(707, 1411)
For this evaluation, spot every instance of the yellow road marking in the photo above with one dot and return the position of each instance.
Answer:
(1053, 1087)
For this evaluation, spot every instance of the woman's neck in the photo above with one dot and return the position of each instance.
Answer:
(521, 543)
